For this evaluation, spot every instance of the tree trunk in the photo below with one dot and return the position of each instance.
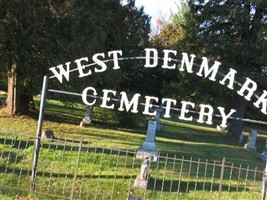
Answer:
(17, 102)
(12, 100)
(236, 126)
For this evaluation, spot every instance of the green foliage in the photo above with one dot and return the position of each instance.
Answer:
(116, 118)
(36, 35)
(231, 32)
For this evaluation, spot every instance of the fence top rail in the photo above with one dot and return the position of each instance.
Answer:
(161, 158)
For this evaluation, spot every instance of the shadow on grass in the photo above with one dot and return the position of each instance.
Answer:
(153, 184)
(188, 186)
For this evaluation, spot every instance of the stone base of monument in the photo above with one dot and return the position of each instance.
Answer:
(140, 183)
(85, 121)
(147, 153)
(250, 148)
(263, 157)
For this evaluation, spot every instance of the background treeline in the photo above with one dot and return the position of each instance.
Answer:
(36, 35)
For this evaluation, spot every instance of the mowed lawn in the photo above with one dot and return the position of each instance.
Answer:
(180, 138)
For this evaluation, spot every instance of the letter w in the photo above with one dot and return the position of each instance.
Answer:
(62, 72)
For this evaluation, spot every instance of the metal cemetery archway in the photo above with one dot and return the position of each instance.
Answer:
(62, 72)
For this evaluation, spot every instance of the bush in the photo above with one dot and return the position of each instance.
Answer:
(117, 118)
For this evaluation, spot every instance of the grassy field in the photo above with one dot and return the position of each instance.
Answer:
(176, 138)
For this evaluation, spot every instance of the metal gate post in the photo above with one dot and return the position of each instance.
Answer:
(264, 181)
(39, 132)
(76, 169)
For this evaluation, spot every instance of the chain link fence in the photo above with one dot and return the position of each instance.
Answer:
(81, 170)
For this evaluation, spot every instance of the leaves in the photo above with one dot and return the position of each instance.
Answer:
(37, 35)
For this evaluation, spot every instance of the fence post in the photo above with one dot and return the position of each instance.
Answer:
(39, 132)
(221, 178)
(264, 180)
(76, 169)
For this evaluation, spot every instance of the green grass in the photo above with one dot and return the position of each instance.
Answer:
(177, 138)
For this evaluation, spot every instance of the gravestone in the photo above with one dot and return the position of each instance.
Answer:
(48, 134)
(263, 155)
(157, 117)
(221, 129)
(142, 178)
(133, 198)
(250, 145)
(148, 149)
(88, 116)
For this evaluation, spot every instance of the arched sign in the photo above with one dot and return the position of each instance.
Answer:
(183, 62)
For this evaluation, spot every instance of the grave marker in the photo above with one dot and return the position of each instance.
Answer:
(263, 155)
(148, 149)
(250, 145)
(157, 117)
(142, 178)
(88, 116)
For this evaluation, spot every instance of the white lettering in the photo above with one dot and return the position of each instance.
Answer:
(231, 77)
(185, 61)
(84, 95)
(167, 59)
(124, 101)
(99, 62)
(106, 98)
(184, 110)
(262, 100)
(225, 117)
(208, 114)
(115, 58)
(204, 67)
(154, 56)
(149, 105)
(81, 67)
(62, 72)
(246, 87)
(168, 106)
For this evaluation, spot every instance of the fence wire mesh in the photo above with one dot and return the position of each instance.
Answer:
(81, 170)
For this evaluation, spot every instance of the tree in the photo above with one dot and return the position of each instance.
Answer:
(233, 32)
(169, 36)
(23, 27)
(36, 35)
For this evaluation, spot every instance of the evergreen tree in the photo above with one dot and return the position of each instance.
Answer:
(233, 32)
(37, 35)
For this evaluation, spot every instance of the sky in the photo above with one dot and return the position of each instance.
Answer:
(158, 9)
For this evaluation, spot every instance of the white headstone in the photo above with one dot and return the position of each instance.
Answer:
(148, 149)
(88, 116)
(250, 145)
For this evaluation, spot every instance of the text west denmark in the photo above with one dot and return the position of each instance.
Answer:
(248, 89)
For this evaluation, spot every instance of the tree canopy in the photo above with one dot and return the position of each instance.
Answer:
(36, 35)
(233, 32)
